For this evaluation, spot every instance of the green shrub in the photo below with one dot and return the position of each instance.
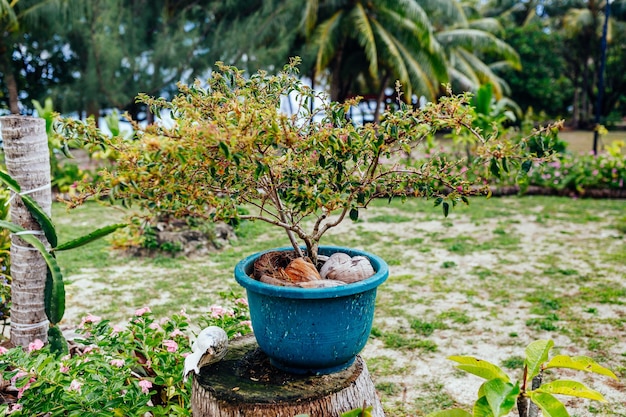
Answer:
(113, 370)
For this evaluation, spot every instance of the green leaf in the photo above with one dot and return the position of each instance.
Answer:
(354, 214)
(571, 388)
(35, 209)
(96, 234)
(526, 165)
(7, 180)
(455, 412)
(480, 368)
(58, 344)
(446, 209)
(42, 218)
(549, 405)
(505, 165)
(536, 354)
(494, 167)
(500, 395)
(482, 408)
(224, 148)
(359, 412)
(54, 293)
(55, 289)
(580, 363)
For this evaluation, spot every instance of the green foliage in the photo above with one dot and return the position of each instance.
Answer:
(5, 259)
(498, 395)
(113, 370)
(229, 144)
(54, 293)
(577, 173)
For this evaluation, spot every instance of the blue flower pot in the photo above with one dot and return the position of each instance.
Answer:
(312, 330)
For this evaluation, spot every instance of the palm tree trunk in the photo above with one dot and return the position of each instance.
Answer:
(6, 68)
(28, 162)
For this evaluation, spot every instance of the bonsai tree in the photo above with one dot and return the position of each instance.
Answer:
(273, 145)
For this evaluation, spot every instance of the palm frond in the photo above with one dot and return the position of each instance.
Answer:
(465, 83)
(309, 16)
(9, 20)
(477, 40)
(365, 36)
(490, 25)
(483, 72)
(324, 40)
(576, 21)
(451, 12)
(418, 28)
(421, 73)
(392, 53)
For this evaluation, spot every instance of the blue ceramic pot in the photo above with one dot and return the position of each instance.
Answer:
(312, 330)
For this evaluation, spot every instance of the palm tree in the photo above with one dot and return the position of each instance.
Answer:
(473, 48)
(369, 43)
(363, 46)
(27, 161)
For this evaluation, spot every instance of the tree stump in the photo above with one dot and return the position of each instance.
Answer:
(245, 384)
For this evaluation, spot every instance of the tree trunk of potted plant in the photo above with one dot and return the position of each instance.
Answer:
(28, 162)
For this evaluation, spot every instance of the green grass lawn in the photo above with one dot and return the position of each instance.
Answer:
(486, 281)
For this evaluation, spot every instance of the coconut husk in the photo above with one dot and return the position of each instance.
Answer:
(285, 269)
(271, 263)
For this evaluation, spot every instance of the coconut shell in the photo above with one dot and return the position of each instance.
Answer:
(301, 270)
(342, 267)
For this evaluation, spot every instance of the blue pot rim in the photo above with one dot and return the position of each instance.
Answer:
(251, 284)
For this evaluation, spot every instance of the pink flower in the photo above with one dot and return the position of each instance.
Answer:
(116, 330)
(36, 345)
(176, 332)
(464, 169)
(75, 386)
(171, 345)
(145, 386)
(3, 350)
(595, 172)
(117, 362)
(184, 313)
(87, 349)
(64, 369)
(217, 311)
(20, 391)
(241, 301)
(246, 323)
(155, 326)
(90, 318)
(15, 407)
(184, 355)
(140, 312)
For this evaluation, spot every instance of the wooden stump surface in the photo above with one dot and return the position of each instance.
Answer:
(245, 384)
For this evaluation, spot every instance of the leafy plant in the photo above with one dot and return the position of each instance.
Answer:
(498, 394)
(5, 259)
(55, 287)
(113, 370)
(230, 143)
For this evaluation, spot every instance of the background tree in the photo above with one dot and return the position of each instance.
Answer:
(371, 44)
(542, 84)
(20, 22)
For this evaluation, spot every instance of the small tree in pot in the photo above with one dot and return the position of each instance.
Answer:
(297, 161)
(238, 141)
